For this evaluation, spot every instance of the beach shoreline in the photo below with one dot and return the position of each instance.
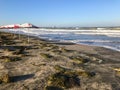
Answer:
(96, 41)
(33, 64)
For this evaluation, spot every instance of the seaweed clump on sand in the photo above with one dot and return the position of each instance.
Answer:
(20, 50)
(65, 50)
(53, 88)
(12, 59)
(80, 72)
(6, 40)
(56, 51)
(66, 78)
(4, 78)
(46, 56)
(62, 80)
(79, 60)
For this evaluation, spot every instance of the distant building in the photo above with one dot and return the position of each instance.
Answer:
(25, 25)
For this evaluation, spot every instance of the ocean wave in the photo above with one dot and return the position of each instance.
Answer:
(110, 33)
(104, 38)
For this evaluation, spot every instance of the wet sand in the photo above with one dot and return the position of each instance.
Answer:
(37, 64)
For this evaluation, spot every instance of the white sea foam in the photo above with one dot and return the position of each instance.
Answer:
(104, 38)
(110, 33)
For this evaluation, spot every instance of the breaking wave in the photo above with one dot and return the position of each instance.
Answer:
(104, 38)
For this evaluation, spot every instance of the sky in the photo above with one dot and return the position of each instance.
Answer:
(61, 12)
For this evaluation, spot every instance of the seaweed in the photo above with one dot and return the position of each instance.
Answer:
(42, 64)
(5, 78)
(4, 57)
(85, 73)
(46, 55)
(59, 68)
(70, 72)
(66, 50)
(53, 88)
(57, 51)
(12, 59)
(55, 47)
(79, 60)
(20, 51)
(63, 80)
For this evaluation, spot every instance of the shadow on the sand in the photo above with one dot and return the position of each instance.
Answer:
(21, 77)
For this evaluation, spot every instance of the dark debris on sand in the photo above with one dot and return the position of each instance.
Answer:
(43, 65)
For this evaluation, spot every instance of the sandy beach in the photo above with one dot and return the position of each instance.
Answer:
(36, 64)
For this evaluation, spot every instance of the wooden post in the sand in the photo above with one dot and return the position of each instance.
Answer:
(19, 34)
(0, 39)
(28, 35)
(14, 34)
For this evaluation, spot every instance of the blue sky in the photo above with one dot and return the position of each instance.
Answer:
(61, 12)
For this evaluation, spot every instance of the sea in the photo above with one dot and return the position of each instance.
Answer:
(103, 38)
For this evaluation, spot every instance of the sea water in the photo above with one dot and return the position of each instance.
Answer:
(105, 38)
